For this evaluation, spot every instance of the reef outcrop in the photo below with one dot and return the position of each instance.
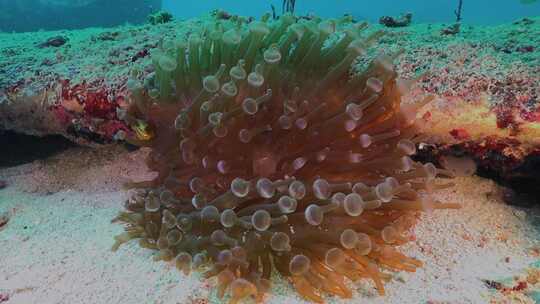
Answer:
(486, 80)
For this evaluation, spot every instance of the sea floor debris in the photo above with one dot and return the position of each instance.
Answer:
(401, 21)
(522, 288)
(4, 219)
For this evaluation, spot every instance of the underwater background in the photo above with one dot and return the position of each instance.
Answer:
(29, 15)
(474, 11)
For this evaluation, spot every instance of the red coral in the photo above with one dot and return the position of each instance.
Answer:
(99, 105)
(505, 117)
(531, 116)
(62, 115)
(460, 134)
(98, 99)
(520, 286)
(140, 54)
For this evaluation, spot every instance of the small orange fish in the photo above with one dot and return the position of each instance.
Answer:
(143, 131)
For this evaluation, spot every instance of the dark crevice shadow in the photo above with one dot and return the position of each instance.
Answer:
(520, 183)
(17, 149)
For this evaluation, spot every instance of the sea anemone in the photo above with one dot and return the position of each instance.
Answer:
(272, 153)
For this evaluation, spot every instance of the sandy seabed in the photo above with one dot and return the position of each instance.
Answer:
(56, 246)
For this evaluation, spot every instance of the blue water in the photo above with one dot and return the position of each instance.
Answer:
(474, 11)
(34, 15)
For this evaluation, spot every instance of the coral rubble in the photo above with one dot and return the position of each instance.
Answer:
(4, 219)
(160, 17)
(451, 29)
(401, 21)
(272, 154)
(56, 41)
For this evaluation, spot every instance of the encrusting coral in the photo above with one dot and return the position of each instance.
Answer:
(272, 154)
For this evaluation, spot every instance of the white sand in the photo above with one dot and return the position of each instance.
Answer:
(56, 247)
